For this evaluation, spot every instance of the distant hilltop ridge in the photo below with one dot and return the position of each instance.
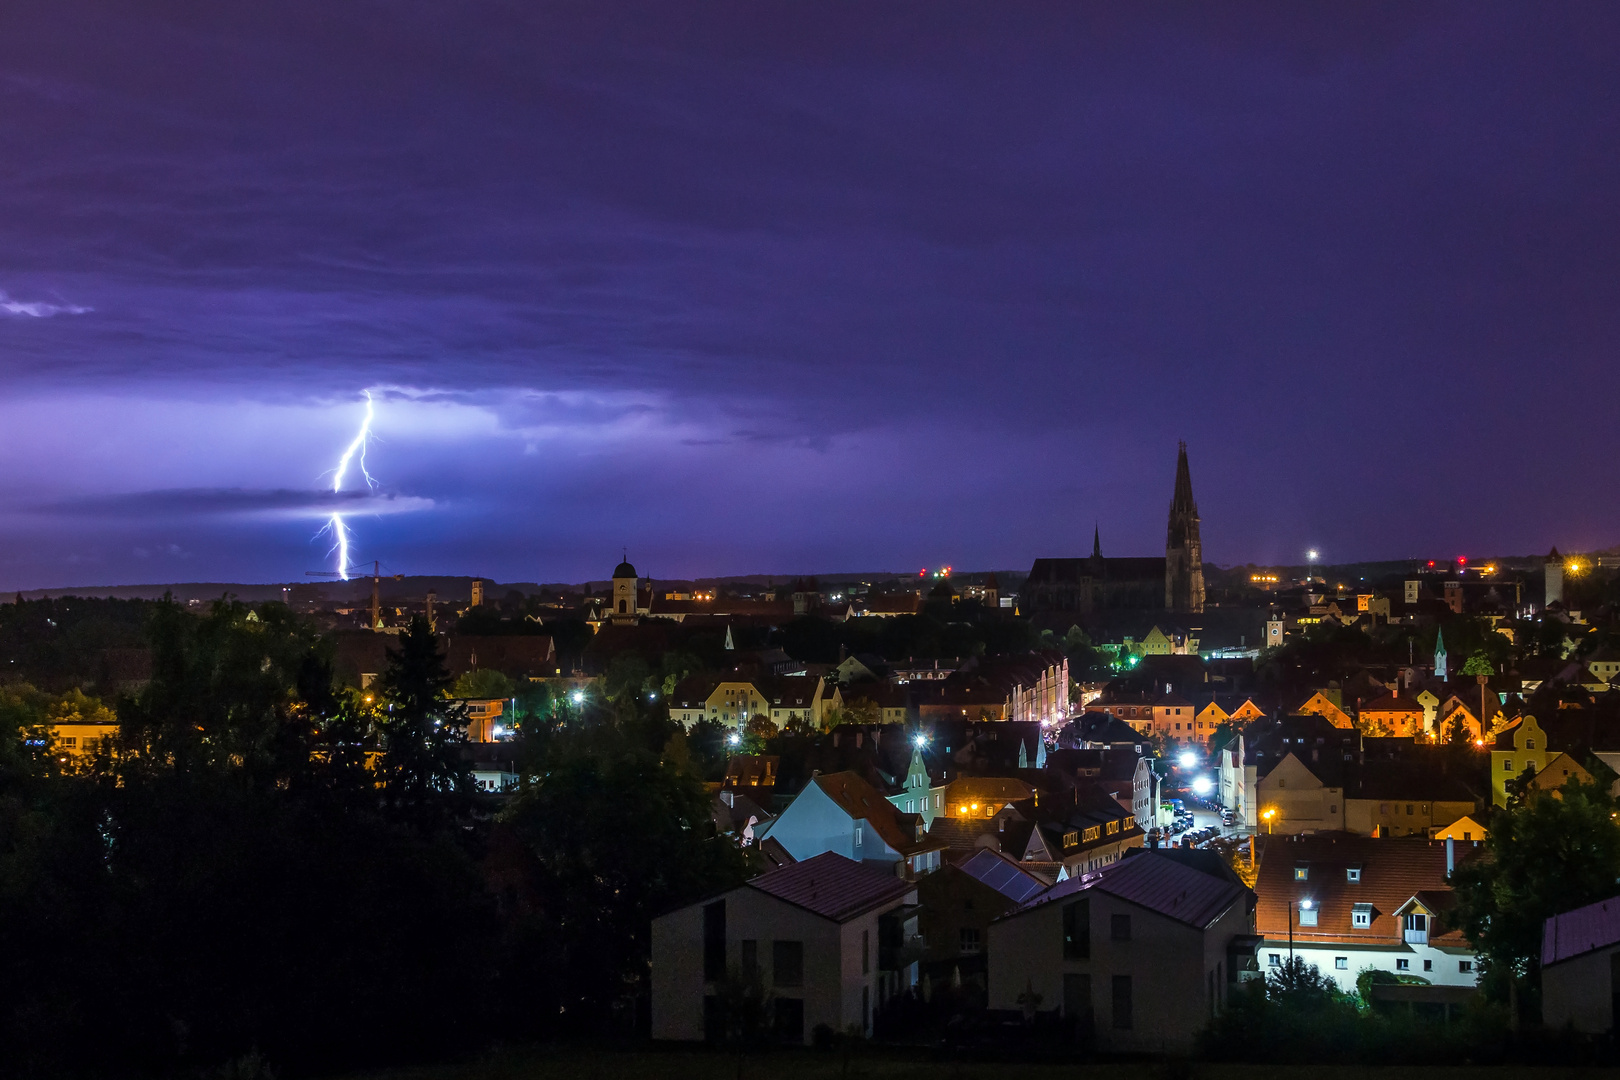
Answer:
(456, 587)
(453, 587)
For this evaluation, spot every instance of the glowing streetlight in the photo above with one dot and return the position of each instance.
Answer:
(1203, 785)
(1268, 815)
(1304, 905)
(1187, 759)
(920, 741)
(735, 739)
(578, 696)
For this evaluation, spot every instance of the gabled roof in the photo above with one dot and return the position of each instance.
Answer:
(1576, 933)
(1154, 882)
(861, 801)
(832, 886)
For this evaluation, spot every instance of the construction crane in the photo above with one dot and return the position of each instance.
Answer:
(376, 585)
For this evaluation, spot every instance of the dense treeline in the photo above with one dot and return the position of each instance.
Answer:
(263, 864)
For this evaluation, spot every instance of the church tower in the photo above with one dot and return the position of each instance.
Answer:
(625, 582)
(1183, 550)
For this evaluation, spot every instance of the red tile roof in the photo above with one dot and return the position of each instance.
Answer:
(1576, 933)
(833, 887)
(1391, 871)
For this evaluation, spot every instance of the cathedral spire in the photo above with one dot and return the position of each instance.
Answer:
(1096, 541)
(1182, 502)
(1183, 547)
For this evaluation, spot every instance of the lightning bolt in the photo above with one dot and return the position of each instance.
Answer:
(339, 530)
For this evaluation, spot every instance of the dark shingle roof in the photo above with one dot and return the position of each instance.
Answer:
(1575, 933)
(1156, 883)
(832, 886)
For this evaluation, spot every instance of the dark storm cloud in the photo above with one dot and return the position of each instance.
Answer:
(1366, 260)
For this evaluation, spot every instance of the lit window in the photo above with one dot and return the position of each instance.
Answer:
(1302, 873)
(1274, 960)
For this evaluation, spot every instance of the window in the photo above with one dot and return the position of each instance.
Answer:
(787, 963)
(1307, 916)
(714, 940)
(1122, 1002)
(1428, 965)
(1341, 963)
(1302, 873)
(1077, 930)
(1274, 960)
(1408, 809)
(1465, 966)
(866, 952)
(1403, 965)
(1119, 927)
(968, 939)
(788, 1015)
(857, 836)
(1077, 995)
(1361, 916)
(1352, 873)
(1507, 764)
(1529, 744)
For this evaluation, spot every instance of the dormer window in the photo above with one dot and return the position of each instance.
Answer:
(1361, 916)
(1302, 873)
(1529, 744)
(1352, 873)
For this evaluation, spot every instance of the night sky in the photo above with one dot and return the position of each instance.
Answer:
(778, 288)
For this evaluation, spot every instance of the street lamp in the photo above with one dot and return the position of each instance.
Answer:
(1268, 815)
(1304, 905)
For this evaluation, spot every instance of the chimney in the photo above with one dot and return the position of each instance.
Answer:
(727, 797)
(1451, 855)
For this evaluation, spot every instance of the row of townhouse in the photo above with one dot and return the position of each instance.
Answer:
(735, 697)
(1135, 957)
(1303, 775)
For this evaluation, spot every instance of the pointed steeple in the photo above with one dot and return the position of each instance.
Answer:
(1183, 547)
(1440, 654)
(1182, 502)
(1096, 541)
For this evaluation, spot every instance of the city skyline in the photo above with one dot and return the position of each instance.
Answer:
(749, 291)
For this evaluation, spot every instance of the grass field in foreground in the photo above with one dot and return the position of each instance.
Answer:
(694, 1064)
